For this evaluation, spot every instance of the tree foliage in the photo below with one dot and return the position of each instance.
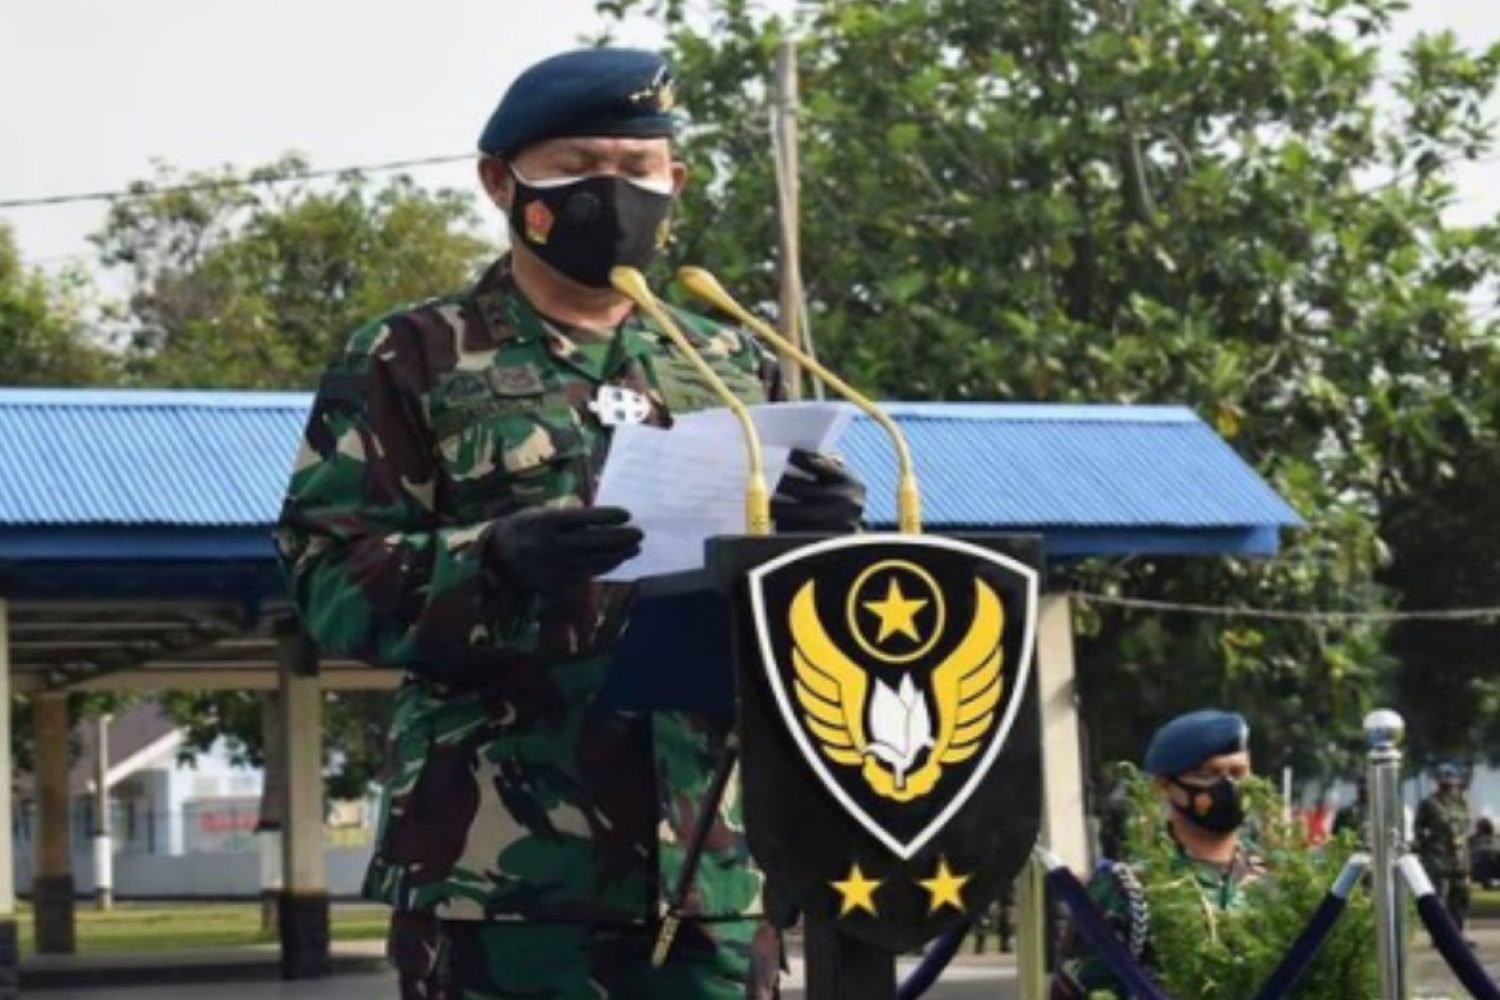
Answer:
(354, 729)
(255, 280)
(43, 338)
(1142, 201)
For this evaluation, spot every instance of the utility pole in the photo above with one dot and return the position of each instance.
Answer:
(788, 209)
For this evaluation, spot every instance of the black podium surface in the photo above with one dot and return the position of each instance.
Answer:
(883, 697)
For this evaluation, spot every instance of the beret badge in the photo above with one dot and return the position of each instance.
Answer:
(659, 95)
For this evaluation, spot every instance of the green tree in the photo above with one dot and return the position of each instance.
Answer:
(254, 280)
(43, 338)
(1449, 557)
(1139, 201)
(354, 729)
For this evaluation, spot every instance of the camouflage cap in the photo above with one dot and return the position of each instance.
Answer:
(588, 92)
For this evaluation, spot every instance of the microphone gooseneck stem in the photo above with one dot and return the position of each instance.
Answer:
(629, 282)
(908, 498)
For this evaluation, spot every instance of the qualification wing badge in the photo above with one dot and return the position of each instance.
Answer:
(940, 719)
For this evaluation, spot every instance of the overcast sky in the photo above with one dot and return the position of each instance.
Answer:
(91, 91)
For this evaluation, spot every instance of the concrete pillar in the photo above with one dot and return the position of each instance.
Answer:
(9, 967)
(52, 889)
(303, 916)
(272, 799)
(104, 846)
(1064, 819)
(1064, 813)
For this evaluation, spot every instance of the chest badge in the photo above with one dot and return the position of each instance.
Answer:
(615, 405)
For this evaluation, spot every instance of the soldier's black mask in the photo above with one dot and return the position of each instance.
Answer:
(585, 226)
(1217, 808)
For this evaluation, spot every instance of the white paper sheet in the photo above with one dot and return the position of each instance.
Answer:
(687, 484)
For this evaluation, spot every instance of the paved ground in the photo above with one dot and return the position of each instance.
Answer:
(973, 979)
(989, 981)
(1429, 974)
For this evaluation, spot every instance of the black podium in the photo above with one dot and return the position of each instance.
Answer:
(886, 725)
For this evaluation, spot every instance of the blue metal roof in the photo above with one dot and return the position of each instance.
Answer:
(1094, 479)
(122, 474)
(102, 457)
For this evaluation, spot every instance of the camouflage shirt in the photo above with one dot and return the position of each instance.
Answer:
(1442, 833)
(508, 793)
(1117, 892)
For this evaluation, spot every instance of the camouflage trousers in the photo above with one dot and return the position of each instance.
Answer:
(1453, 889)
(474, 960)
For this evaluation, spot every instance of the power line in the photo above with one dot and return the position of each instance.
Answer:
(209, 185)
(1311, 617)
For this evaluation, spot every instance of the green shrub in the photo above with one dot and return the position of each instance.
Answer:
(1208, 954)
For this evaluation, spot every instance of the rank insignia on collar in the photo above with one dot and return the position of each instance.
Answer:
(615, 405)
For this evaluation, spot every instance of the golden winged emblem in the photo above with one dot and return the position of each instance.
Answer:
(884, 732)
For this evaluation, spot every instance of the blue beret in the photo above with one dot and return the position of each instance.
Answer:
(590, 92)
(1190, 739)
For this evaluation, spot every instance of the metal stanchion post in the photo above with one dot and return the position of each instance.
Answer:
(1384, 730)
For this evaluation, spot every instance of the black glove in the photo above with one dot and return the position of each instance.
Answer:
(818, 493)
(553, 549)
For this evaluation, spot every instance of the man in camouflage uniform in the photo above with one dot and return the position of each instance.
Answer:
(1198, 761)
(440, 520)
(1442, 841)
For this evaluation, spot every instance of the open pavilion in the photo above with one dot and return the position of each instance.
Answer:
(135, 555)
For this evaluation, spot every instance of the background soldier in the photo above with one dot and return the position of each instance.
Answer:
(1197, 761)
(439, 520)
(1442, 832)
(1355, 816)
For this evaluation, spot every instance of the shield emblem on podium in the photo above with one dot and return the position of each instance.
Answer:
(892, 750)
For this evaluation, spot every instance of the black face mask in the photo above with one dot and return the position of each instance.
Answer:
(585, 227)
(1217, 808)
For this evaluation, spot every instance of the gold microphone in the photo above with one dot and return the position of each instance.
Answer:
(629, 282)
(908, 498)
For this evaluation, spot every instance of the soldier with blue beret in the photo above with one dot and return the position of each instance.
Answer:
(1193, 737)
(590, 93)
(440, 520)
(1197, 762)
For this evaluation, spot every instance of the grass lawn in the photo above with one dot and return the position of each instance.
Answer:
(162, 926)
(1485, 904)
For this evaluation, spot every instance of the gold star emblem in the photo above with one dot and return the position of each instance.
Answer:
(945, 888)
(897, 613)
(857, 891)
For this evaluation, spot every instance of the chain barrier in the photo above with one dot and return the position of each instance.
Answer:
(1445, 933)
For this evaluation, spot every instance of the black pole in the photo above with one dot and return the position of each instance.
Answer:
(708, 814)
(840, 968)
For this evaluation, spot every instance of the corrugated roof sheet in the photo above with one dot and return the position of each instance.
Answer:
(118, 457)
(1027, 465)
(221, 459)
